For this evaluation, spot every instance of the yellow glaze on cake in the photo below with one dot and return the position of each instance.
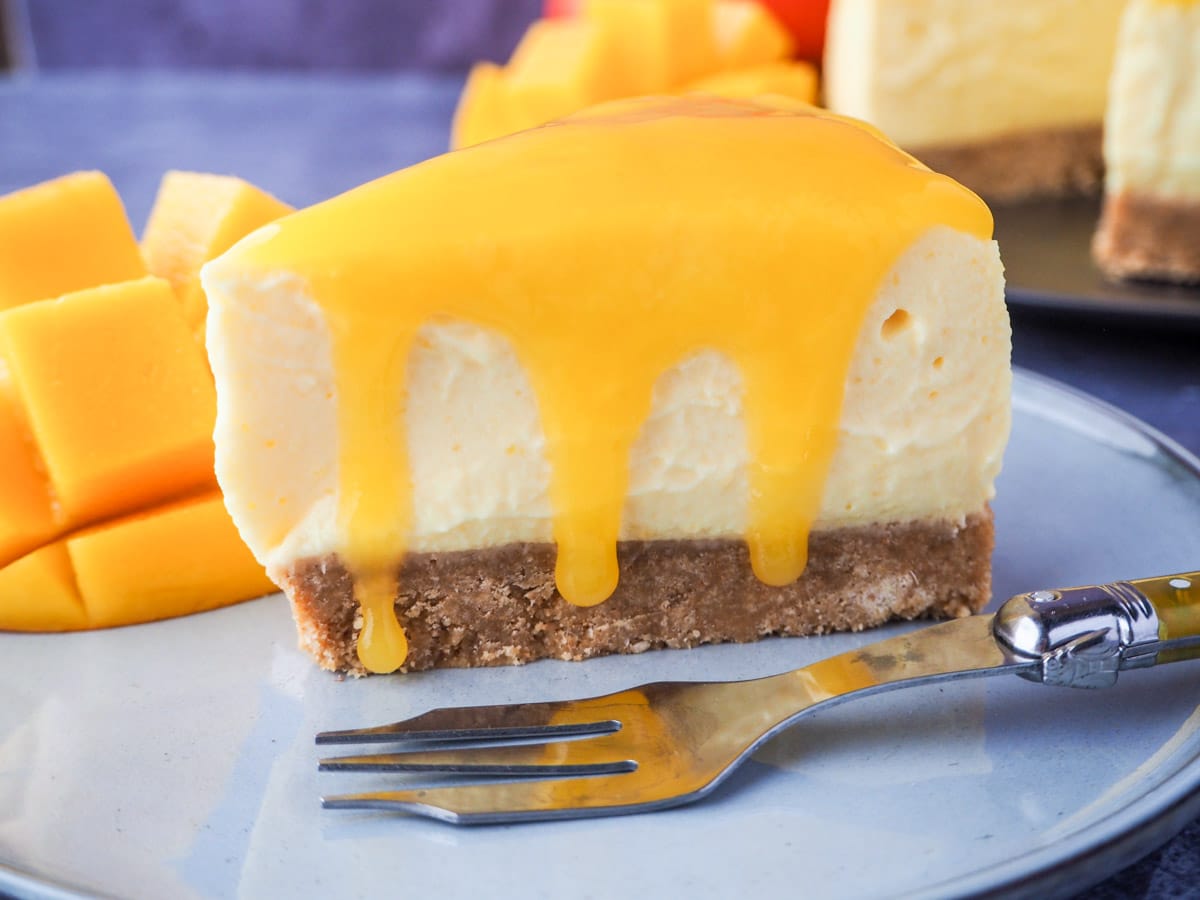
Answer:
(606, 250)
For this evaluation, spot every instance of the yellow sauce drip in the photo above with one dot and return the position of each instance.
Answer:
(607, 249)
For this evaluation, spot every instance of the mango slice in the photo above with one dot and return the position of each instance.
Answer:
(62, 236)
(175, 560)
(107, 406)
(664, 43)
(26, 513)
(38, 593)
(118, 397)
(561, 65)
(482, 112)
(195, 218)
(623, 48)
(796, 79)
(805, 21)
(748, 35)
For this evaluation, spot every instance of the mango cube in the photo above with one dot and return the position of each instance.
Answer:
(482, 112)
(748, 35)
(107, 406)
(64, 235)
(26, 513)
(616, 48)
(117, 394)
(38, 593)
(663, 44)
(796, 79)
(172, 561)
(560, 66)
(196, 217)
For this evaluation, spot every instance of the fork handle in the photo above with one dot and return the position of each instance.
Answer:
(1176, 600)
(1084, 636)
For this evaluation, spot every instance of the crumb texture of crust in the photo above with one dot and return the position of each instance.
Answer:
(498, 606)
(1149, 237)
(1047, 162)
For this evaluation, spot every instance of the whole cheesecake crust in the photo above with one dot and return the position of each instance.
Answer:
(499, 606)
(1042, 162)
(1142, 236)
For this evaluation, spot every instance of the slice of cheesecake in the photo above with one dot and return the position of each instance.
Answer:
(636, 379)
(1150, 227)
(1008, 98)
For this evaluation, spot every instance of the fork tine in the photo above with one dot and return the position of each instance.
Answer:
(547, 721)
(568, 758)
(515, 801)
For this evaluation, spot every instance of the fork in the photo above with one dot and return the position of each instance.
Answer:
(669, 743)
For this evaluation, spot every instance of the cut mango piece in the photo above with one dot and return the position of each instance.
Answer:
(663, 44)
(62, 236)
(618, 48)
(482, 112)
(196, 217)
(107, 406)
(561, 65)
(117, 394)
(748, 35)
(805, 21)
(174, 561)
(797, 80)
(26, 512)
(38, 593)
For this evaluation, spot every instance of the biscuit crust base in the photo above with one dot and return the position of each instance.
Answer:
(498, 606)
(1149, 237)
(1042, 162)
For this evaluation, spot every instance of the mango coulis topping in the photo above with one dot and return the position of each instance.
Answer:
(607, 248)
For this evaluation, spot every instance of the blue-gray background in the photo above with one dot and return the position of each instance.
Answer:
(342, 35)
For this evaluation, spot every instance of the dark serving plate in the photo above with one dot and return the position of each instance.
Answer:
(1046, 248)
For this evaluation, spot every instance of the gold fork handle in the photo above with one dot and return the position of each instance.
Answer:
(1176, 600)
(1083, 636)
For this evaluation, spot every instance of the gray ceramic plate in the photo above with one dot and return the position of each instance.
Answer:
(176, 759)
(1048, 268)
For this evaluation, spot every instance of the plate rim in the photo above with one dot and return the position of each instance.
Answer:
(1160, 311)
(1151, 819)
(1148, 302)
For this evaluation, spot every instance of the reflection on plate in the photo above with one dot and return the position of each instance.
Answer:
(176, 759)
(1046, 248)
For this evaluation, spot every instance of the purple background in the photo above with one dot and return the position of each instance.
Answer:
(444, 35)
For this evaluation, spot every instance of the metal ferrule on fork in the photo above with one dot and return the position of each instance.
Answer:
(1083, 637)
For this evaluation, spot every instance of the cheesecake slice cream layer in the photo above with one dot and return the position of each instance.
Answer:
(1006, 97)
(642, 331)
(1150, 227)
